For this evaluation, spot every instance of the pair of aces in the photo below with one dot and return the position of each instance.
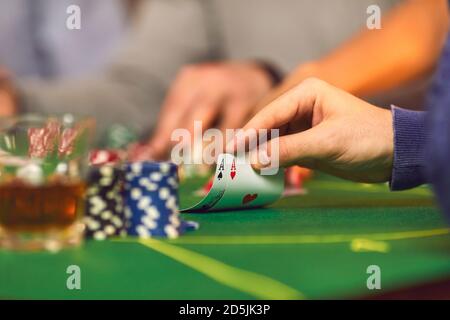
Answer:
(237, 186)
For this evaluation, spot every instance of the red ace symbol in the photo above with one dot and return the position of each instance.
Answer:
(233, 170)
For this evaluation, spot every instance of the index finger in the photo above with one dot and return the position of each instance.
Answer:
(296, 102)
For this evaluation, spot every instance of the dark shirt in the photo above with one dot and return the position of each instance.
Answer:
(422, 140)
(438, 125)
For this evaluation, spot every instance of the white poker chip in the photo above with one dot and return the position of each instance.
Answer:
(136, 193)
(106, 171)
(92, 191)
(142, 231)
(99, 235)
(106, 215)
(171, 231)
(156, 176)
(136, 168)
(91, 224)
(117, 221)
(144, 203)
(164, 193)
(164, 167)
(98, 205)
(110, 230)
(171, 203)
(128, 213)
(152, 212)
(172, 182)
(143, 181)
(105, 181)
(151, 186)
(148, 222)
(129, 176)
(174, 220)
(101, 156)
(111, 194)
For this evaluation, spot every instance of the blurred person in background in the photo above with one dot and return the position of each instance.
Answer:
(246, 47)
(376, 61)
(394, 62)
(35, 43)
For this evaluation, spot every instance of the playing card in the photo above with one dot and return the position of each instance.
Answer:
(218, 188)
(236, 185)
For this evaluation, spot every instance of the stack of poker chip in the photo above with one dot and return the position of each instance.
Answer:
(151, 200)
(104, 210)
(119, 136)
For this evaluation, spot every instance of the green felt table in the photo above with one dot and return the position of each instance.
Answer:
(316, 245)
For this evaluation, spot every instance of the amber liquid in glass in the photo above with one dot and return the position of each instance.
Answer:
(39, 208)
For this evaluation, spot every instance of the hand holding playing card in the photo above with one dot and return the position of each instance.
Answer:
(325, 128)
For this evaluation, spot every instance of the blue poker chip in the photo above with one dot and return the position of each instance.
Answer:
(151, 200)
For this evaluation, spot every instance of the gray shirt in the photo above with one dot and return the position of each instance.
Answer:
(34, 40)
(172, 33)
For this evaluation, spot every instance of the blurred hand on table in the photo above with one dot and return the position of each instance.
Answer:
(220, 95)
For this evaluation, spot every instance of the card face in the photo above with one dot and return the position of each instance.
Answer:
(237, 186)
(218, 187)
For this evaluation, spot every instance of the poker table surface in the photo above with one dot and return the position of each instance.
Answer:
(321, 244)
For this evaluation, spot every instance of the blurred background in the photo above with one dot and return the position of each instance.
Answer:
(120, 64)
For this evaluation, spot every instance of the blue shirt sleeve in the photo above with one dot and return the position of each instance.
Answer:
(410, 137)
(438, 126)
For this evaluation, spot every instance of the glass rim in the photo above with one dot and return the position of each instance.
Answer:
(65, 117)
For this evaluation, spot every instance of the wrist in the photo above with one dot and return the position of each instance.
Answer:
(271, 71)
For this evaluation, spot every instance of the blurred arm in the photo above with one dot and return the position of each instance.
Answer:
(7, 96)
(405, 48)
(167, 35)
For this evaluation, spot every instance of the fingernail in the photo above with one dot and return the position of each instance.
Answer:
(254, 160)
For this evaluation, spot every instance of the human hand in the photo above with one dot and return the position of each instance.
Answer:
(217, 94)
(7, 95)
(325, 128)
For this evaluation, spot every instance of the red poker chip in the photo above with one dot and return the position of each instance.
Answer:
(101, 157)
